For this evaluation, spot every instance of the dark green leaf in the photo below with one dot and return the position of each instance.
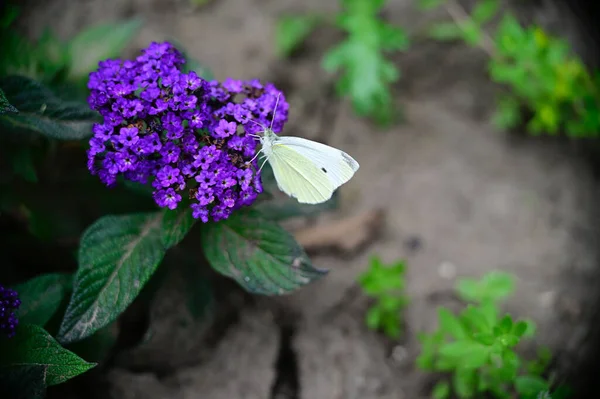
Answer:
(506, 324)
(292, 30)
(23, 381)
(99, 43)
(445, 31)
(258, 254)
(41, 296)
(176, 225)
(199, 291)
(530, 386)
(5, 106)
(484, 10)
(97, 347)
(41, 112)
(117, 256)
(32, 345)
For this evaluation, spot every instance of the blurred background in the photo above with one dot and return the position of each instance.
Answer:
(470, 163)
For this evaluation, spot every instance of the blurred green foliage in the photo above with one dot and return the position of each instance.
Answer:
(540, 73)
(476, 348)
(365, 74)
(385, 284)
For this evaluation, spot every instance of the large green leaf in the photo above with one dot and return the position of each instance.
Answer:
(42, 112)
(258, 254)
(117, 256)
(32, 345)
(176, 225)
(41, 296)
(5, 106)
(99, 43)
(23, 381)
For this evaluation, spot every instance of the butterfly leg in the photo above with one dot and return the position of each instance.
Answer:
(257, 154)
(263, 164)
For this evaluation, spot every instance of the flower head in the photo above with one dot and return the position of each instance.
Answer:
(9, 303)
(190, 138)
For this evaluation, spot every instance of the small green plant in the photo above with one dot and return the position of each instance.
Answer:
(366, 74)
(541, 73)
(385, 283)
(476, 348)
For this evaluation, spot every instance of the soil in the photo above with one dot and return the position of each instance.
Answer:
(460, 199)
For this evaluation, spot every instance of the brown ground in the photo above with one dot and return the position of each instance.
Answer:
(476, 199)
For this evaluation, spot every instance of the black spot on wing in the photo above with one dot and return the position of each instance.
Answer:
(324, 170)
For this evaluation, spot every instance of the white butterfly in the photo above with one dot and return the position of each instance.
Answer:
(304, 169)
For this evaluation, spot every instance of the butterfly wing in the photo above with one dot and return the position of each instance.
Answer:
(309, 171)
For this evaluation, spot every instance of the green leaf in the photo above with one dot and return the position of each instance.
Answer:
(445, 31)
(464, 382)
(42, 112)
(41, 296)
(450, 324)
(97, 43)
(5, 106)
(366, 74)
(471, 354)
(426, 5)
(292, 31)
(484, 10)
(32, 345)
(23, 381)
(441, 390)
(471, 33)
(498, 285)
(97, 347)
(530, 386)
(199, 291)
(257, 253)
(117, 256)
(176, 225)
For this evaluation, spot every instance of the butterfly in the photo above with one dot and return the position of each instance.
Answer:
(304, 169)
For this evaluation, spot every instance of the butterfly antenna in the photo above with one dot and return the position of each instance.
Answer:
(275, 111)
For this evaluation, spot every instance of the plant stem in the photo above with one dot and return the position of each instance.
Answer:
(460, 17)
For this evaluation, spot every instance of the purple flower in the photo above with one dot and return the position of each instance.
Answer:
(9, 303)
(180, 131)
(225, 129)
(128, 136)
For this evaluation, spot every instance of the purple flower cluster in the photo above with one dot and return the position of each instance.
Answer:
(180, 132)
(9, 303)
